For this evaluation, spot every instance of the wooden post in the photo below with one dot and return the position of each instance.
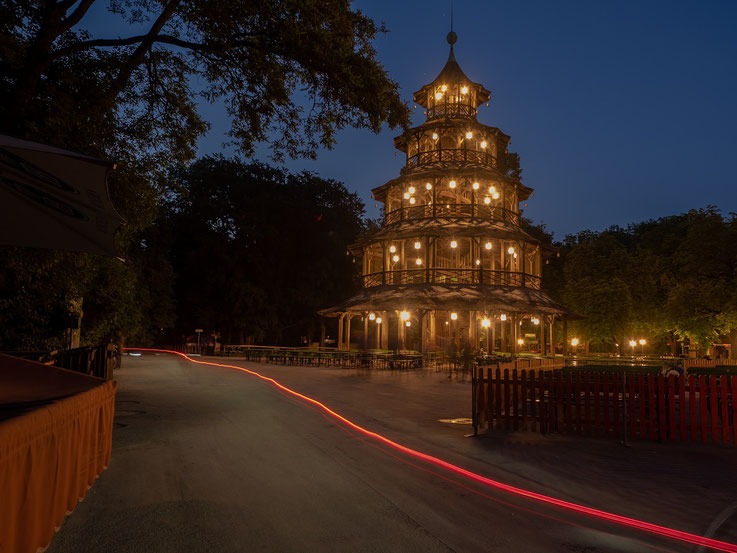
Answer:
(384, 330)
(492, 342)
(348, 332)
(503, 336)
(401, 334)
(365, 331)
(378, 334)
(543, 348)
(552, 336)
(565, 336)
(433, 331)
(340, 331)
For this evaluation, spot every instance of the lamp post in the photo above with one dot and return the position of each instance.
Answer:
(486, 323)
(574, 343)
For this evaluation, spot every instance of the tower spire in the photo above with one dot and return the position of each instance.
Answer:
(452, 37)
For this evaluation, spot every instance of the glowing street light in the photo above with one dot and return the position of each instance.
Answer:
(574, 342)
(520, 341)
(378, 320)
(404, 315)
(372, 316)
(642, 341)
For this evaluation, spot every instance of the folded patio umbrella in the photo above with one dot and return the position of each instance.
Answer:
(54, 198)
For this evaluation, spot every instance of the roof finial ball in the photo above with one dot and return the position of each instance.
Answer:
(452, 37)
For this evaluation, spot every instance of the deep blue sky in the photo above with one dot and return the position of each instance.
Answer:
(621, 111)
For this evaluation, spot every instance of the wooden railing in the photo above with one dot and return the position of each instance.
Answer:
(451, 155)
(439, 209)
(453, 276)
(451, 110)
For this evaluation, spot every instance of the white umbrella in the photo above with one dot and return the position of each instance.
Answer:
(54, 198)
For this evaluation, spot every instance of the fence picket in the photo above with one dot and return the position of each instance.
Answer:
(587, 403)
(523, 398)
(672, 408)
(725, 408)
(652, 412)
(615, 400)
(662, 435)
(682, 406)
(703, 410)
(713, 407)
(506, 400)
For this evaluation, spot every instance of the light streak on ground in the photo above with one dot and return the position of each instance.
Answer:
(672, 533)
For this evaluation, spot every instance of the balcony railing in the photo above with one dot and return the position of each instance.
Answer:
(452, 276)
(450, 110)
(439, 209)
(451, 155)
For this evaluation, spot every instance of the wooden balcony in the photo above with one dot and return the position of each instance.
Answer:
(446, 156)
(453, 276)
(452, 111)
(469, 210)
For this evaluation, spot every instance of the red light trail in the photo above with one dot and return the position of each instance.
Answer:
(575, 507)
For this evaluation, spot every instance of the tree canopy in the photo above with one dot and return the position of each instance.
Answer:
(290, 74)
(667, 279)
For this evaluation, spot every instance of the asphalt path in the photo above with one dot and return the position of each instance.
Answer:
(209, 459)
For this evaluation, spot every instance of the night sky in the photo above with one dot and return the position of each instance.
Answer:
(620, 111)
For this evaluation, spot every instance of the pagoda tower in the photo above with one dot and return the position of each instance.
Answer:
(451, 265)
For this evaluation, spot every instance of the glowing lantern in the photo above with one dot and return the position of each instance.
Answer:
(486, 323)
(510, 251)
(418, 261)
(483, 143)
(444, 88)
(408, 323)
(469, 134)
(488, 245)
(453, 244)
(378, 320)
(438, 95)
(464, 90)
(574, 342)
(520, 341)
(454, 316)
(503, 317)
(404, 315)
(395, 258)
(487, 200)
(475, 186)
(372, 316)
(412, 201)
(418, 245)
(428, 186)
(406, 195)
(452, 184)
(495, 195)
(478, 262)
(411, 189)
(434, 136)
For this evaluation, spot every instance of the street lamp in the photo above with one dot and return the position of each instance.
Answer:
(632, 345)
(642, 346)
(574, 342)
(486, 323)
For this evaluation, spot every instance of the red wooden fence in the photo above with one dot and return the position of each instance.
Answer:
(648, 406)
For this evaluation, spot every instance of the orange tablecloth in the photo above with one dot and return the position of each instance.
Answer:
(55, 440)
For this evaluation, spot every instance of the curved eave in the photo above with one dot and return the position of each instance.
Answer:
(379, 193)
(445, 297)
(400, 142)
(452, 73)
(445, 226)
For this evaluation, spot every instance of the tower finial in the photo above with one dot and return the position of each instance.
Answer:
(452, 37)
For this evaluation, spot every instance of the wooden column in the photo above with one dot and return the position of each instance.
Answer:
(384, 330)
(492, 343)
(565, 335)
(552, 335)
(365, 331)
(348, 332)
(340, 331)
(543, 346)
(433, 331)
(378, 334)
(503, 335)
(400, 333)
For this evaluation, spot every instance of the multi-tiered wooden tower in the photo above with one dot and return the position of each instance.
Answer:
(451, 263)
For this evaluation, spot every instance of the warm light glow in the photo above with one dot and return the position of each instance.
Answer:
(464, 90)
(454, 316)
(492, 190)
(372, 316)
(536, 321)
(453, 244)
(510, 251)
(486, 323)
(574, 342)
(520, 341)
(418, 261)
(495, 195)
(469, 134)
(633, 343)
(438, 95)
(444, 87)
(408, 323)
(487, 200)
(412, 201)
(515, 256)
(643, 341)
(378, 320)
(475, 186)
(428, 186)
(392, 249)
(483, 143)
(503, 317)
(411, 189)
(452, 184)
(404, 315)
(406, 195)
(478, 262)
(418, 245)
(434, 136)
(395, 258)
